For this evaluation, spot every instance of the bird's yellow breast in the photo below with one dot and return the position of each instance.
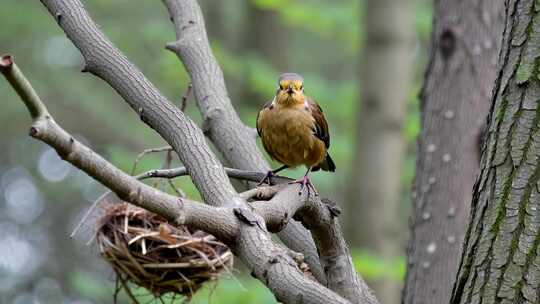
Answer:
(287, 135)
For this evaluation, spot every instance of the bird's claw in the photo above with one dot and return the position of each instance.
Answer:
(267, 179)
(305, 182)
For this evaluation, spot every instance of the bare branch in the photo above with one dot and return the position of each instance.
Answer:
(281, 208)
(163, 173)
(320, 218)
(216, 221)
(231, 172)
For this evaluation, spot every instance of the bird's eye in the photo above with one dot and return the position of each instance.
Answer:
(301, 87)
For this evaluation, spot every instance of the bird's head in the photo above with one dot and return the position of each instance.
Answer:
(290, 89)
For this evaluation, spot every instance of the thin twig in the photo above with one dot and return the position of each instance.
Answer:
(185, 97)
(88, 212)
(163, 173)
(126, 288)
(252, 176)
(116, 289)
(178, 191)
(166, 165)
(147, 151)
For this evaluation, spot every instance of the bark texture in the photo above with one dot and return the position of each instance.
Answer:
(501, 257)
(385, 82)
(455, 100)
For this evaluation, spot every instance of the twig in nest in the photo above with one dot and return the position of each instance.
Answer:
(185, 97)
(117, 289)
(126, 288)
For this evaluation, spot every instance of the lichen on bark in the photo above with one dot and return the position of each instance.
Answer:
(501, 260)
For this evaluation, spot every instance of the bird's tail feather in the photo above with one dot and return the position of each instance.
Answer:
(327, 164)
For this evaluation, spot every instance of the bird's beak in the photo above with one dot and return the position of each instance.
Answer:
(290, 91)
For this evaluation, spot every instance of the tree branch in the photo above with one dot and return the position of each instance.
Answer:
(183, 101)
(218, 221)
(231, 172)
(320, 217)
(317, 215)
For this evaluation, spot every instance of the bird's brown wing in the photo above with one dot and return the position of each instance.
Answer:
(321, 132)
(259, 128)
(321, 126)
(266, 105)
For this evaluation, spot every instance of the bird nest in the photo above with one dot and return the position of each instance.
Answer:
(144, 249)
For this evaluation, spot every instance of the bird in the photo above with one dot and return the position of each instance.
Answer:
(294, 131)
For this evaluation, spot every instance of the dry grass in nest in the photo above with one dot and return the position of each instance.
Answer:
(144, 249)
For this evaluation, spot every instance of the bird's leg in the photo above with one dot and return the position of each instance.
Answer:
(305, 182)
(270, 174)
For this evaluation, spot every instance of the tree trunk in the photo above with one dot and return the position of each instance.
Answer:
(465, 44)
(372, 217)
(501, 259)
(266, 37)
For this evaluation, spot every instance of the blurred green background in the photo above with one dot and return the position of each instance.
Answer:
(42, 198)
